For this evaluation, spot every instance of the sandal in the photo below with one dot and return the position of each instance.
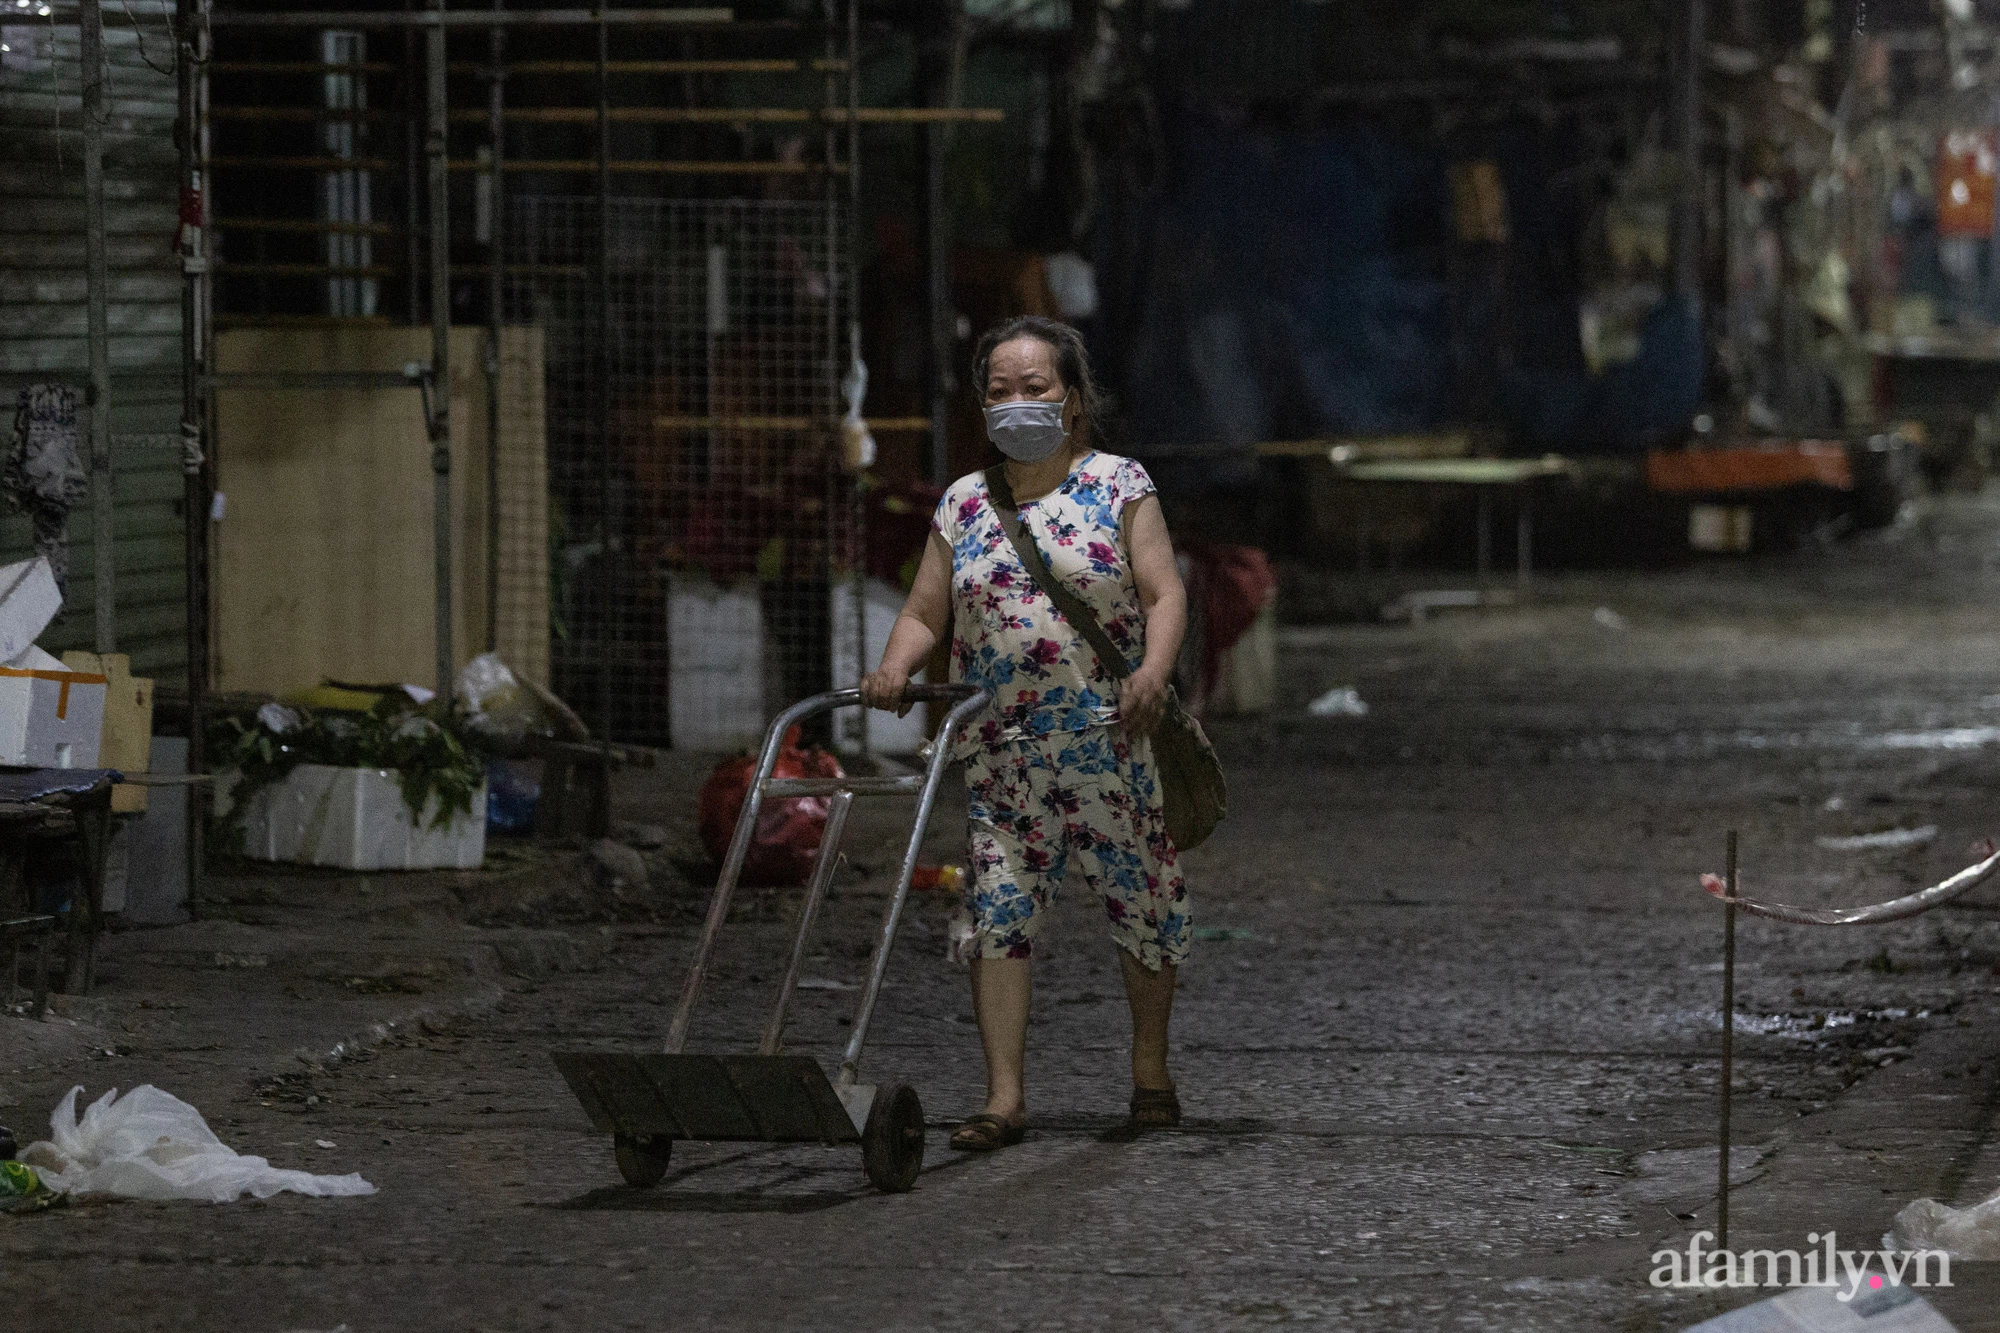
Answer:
(985, 1132)
(1155, 1108)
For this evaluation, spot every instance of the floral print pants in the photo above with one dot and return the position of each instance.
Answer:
(1038, 800)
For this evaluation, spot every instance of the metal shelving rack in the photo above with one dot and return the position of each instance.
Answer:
(427, 118)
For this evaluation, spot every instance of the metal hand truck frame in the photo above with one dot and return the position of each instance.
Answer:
(647, 1099)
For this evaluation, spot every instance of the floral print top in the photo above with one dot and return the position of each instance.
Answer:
(1007, 635)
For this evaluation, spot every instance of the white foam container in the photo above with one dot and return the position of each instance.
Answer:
(50, 716)
(356, 819)
(887, 733)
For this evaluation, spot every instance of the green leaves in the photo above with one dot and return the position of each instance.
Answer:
(424, 744)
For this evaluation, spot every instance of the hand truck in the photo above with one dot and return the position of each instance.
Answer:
(647, 1099)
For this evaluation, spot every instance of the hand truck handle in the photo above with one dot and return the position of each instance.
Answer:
(851, 698)
(971, 701)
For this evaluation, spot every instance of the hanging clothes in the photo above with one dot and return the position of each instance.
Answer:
(43, 471)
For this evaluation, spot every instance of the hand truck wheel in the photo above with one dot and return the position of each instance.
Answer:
(642, 1158)
(892, 1142)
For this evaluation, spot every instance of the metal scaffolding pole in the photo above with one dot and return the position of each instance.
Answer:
(200, 519)
(856, 497)
(90, 21)
(1690, 57)
(934, 62)
(413, 239)
(496, 294)
(190, 52)
(440, 403)
(643, 115)
(717, 17)
(601, 815)
(439, 18)
(535, 166)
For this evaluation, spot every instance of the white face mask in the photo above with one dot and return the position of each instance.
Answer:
(1027, 430)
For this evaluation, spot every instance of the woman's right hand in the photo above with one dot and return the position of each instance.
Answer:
(884, 689)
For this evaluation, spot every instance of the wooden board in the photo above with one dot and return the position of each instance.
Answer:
(127, 740)
(523, 566)
(325, 559)
(1775, 467)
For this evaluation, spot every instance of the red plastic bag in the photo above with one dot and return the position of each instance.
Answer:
(788, 831)
(1235, 584)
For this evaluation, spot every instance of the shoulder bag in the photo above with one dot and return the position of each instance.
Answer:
(1191, 782)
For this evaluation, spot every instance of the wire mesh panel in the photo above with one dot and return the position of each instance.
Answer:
(697, 512)
(44, 314)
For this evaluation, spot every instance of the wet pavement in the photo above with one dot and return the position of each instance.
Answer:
(1448, 1050)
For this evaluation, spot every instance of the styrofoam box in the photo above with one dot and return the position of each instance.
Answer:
(28, 602)
(50, 716)
(887, 733)
(715, 640)
(356, 819)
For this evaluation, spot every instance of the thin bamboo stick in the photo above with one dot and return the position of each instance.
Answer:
(777, 424)
(553, 165)
(632, 115)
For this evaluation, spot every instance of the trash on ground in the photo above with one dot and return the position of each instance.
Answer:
(945, 879)
(150, 1144)
(1966, 1233)
(1610, 619)
(788, 831)
(22, 1191)
(1220, 933)
(1887, 840)
(505, 711)
(1343, 702)
(280, 719)
(496, 706)
(618, 869)
(1833, 1309)
(512, 794)
(646, 837)
(822, 983)
(1415, 606)
(1235, 588)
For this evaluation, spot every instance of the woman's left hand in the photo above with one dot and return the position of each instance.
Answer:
(1142, 701)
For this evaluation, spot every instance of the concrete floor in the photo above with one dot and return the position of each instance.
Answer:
(1449, 1063)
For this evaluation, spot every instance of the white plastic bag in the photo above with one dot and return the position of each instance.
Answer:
(1966, 1233)
(504, 710)
(1339, 703)
(498, 709)
(152, 1145)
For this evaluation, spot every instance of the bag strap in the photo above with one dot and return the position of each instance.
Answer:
(1074, 611)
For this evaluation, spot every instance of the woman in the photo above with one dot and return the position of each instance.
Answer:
(1060, 766)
